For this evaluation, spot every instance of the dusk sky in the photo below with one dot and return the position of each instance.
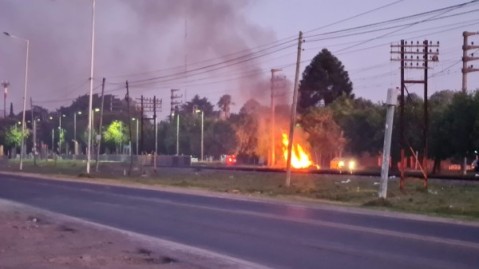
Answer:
(160, 45)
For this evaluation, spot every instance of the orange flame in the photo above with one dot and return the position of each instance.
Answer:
(299, 157)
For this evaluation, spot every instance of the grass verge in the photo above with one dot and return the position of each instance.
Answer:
(458, 199)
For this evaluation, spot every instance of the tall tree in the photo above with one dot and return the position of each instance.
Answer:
(198, 103)
(325, 135)
(11, 111)
(252, 131)
(439, 146)
(224, 104)
(220, 138)
(324, 80)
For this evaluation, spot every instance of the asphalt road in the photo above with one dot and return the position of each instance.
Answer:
(277, 235)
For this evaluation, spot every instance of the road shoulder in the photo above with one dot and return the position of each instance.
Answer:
(35, 237)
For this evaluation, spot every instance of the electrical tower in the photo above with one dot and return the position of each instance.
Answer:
(152, 105)
(175, 100)
(414, 55)
(467, 58)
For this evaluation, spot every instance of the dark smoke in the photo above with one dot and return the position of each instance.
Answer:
(131, 37)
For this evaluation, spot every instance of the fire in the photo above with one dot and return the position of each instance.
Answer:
(299, 157)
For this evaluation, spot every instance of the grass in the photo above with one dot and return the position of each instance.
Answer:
(458, 199)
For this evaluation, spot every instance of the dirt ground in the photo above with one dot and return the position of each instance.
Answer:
(36, 240)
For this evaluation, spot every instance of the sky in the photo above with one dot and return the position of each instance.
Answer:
(216, 47)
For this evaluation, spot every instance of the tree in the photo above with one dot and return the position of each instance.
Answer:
(439, 147)
(252, 132)
(325, 135)
(362, 122)
(198, 103)
(13, 136)
(224, 104)
(116, 134)
(11, 114)
(324, 80)
(220, 138)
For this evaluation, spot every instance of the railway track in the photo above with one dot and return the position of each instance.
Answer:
(413, 174)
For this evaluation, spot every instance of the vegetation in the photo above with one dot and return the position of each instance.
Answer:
(333, 121)
(324, 80)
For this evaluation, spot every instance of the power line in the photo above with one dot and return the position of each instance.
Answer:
(402, 28)
(354, 16)
(393, 20)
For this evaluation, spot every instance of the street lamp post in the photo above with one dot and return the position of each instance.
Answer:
(135, 119)
(202, 131)
(22, 148)
(177, 134)
(75, 124)
(60, 133)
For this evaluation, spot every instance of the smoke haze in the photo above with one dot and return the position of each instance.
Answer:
(135, 40)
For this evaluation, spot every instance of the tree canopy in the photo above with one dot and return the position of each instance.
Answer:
(324, 80)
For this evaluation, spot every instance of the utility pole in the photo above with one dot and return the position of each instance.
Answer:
(34, 129)
(391, 103)
(156, 134)
(60, 132)
(127, 97)
(175, 100)
(466, 58)
(273, 93)
(293, 111)
(414, 55)
(142, 113)
(177, 134)
(53, 139)
(90, 96)
(5, 85)
(98, 137)
(150, 105)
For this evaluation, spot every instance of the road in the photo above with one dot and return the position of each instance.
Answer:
(272, 234)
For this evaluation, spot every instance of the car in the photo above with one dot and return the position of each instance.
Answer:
(343, 164)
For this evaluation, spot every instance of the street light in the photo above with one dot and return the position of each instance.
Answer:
(137, 121)
(60, 132)
(93, 119)
(177, 131)
(24, 94)
(75, 124)
(202, 130)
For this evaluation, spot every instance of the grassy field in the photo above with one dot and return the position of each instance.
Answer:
(444, 198)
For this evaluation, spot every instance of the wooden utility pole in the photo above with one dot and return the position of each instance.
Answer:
(127, 97)
(414, 55)
(466, 58)
(293, 111)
